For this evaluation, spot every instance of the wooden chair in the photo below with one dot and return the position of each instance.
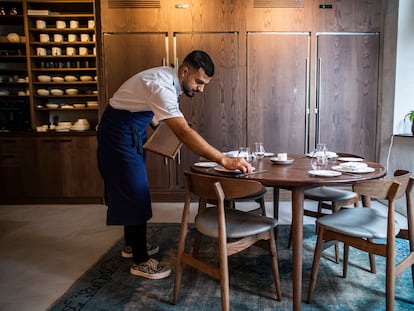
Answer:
(234, 230)
(359, 227)
(330, 198)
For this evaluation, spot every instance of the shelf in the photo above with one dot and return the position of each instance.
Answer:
(60, 70)
(61, 30)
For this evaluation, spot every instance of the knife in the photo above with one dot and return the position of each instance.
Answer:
(248, 174)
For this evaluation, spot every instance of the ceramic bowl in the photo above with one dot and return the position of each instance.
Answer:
(72, 91)
(57, 79)
(13, 37)
(70, 78)
(44, 78)
(43, 92)
(52, 106)
(56, 92)
(86, 78)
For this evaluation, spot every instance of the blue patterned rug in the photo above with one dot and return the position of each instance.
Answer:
(109, 286)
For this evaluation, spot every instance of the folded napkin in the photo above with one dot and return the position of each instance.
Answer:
(353, 165)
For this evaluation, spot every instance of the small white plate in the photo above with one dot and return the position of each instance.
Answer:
(350, 159)
(359, 170)
(269, 154)
(324, 173)
(205, 164)
(276, 161)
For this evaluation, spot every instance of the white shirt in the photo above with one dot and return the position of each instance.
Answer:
(156, 89)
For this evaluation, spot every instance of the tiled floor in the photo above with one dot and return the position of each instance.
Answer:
(46, 248)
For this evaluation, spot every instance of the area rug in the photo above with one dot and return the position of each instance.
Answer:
(109, 286)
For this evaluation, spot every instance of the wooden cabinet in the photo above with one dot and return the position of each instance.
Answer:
(347, 92)
(17, 172)
(67, 169)
(62, 50)
(278, 90)
(288, 77)
(49, 168)
(218, 114)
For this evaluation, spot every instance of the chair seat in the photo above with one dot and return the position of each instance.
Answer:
(238, 224)
(329, 194)
(358, 222)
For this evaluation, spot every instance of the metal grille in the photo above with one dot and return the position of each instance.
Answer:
(278, 3)
(134, 4)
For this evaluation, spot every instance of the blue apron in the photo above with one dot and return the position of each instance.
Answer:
(121, 160)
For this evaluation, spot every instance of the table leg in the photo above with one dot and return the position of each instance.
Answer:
(297, 245)
(276, 202)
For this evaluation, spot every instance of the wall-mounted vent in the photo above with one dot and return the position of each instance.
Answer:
(278, 3)
(134, 4)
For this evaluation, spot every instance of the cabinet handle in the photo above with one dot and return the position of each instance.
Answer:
(318, 97)
(307, 104)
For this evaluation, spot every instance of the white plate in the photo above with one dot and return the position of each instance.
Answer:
(205, 164)
(324, 173)
(276, 161)
(225, 170)
(350, 159)
(359, 170)
(269, 154)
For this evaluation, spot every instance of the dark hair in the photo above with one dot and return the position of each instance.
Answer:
(200, 59)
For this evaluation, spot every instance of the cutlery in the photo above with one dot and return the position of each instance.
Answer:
(248, 174)
(352, 174)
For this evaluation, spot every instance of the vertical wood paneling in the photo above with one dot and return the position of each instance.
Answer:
(348, 92)
(128, 53)
(276, 84)
(217, 114)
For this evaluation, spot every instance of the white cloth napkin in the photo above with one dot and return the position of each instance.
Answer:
(353, 165)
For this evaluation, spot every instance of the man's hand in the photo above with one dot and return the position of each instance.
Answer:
(237, 164)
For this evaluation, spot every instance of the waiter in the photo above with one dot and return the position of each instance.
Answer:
(147, 98)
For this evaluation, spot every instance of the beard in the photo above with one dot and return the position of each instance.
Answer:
(189, 93)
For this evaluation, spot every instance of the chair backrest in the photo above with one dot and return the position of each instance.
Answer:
(378, 189)
(406, 180)
(233, 188)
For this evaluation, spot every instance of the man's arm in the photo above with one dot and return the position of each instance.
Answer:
(199, 145)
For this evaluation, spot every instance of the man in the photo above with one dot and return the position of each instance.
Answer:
(147, 98)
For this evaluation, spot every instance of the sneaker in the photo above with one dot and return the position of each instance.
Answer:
(150, 269)
(151, 250)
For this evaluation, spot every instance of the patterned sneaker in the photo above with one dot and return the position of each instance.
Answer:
(150, 269)
(151, 250)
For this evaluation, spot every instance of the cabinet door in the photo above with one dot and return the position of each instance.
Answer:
(277, 83)
(143, 51)
(217, 114)
(347, 92)
(129, 53)
(49, 173)
(17, 172)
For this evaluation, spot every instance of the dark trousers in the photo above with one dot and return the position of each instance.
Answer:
(136, 237)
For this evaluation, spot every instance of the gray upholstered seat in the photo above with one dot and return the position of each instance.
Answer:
(359, 222)
(238, 223)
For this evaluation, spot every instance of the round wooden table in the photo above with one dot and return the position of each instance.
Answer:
(295, 177)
